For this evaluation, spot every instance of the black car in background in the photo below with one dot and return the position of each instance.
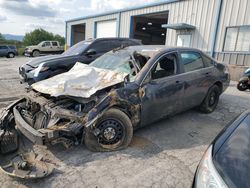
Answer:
(9, 51)
(226, 162)
(41, 68)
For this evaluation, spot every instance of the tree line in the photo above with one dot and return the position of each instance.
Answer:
(33, 38)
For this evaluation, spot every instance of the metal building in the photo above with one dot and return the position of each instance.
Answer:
(218, 27)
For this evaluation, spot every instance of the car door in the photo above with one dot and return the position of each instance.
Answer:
(46, 47)
(162, 89)
(197, 78)
(55, 46)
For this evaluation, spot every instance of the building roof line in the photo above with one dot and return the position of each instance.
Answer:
(124, 10)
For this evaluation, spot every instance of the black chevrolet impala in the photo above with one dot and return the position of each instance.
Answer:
(102, 103)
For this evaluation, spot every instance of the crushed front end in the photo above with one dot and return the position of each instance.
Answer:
(52, 120)
(40, 121)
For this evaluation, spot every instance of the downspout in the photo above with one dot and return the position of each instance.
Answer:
(119, 24)
(65, 45)
(215, 31)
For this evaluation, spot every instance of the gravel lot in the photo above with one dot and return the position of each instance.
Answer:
(164, 154)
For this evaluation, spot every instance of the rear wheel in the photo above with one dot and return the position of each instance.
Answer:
(35, 53)
(242, 85)
(11, 55)
(115, 132)
(211, 100)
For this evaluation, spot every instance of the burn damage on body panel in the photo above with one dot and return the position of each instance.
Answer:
(61, 110)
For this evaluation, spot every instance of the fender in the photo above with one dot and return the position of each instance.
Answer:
(112, 100)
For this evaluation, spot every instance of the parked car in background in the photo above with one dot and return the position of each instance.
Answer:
(86, 51)
(101, 104)
(226, 163)
(44, 47)
(9, 51)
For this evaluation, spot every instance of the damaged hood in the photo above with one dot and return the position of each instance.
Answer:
(81, 81)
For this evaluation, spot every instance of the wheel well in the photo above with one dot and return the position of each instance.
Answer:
(36, 50)
(123, 109)
(220, 85)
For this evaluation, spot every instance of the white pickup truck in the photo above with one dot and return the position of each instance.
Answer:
(44, 47)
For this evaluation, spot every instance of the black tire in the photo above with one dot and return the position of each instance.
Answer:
(11, 55)
(35, 53)
(211, 100)
(123, 132)
(242, 86)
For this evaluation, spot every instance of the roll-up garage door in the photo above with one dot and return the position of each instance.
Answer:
(106, 29)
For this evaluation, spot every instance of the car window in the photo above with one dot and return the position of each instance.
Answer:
(207, 61)
(100, 46)
(129, 43)
(3, 47)
(12, 47)
(191, 61)
(165, 66)
(105, 46)
(46, 44)
(54, 43)
(114, 44)
(78, 48)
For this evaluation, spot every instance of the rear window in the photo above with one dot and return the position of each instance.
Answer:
(233, 158)
(207, 61)
(12, 47)
(3, 47)
(54, 44)
(191, 61)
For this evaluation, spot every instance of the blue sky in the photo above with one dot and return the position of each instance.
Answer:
(21, 16)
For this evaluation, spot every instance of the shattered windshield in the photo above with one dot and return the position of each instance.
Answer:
(120, 62)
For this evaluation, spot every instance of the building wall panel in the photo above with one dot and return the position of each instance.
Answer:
(234, 13)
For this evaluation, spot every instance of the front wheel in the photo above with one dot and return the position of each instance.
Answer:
(35, 53)
(115, 132)
(211, 100)
(242, 85)
(11, 55)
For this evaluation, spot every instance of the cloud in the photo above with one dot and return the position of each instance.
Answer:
(29, 7)
(3, 18)
(54, 20)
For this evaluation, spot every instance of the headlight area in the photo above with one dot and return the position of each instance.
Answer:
(40, 68)
(206, 175)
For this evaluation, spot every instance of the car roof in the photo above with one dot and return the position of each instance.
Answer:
(152, 50)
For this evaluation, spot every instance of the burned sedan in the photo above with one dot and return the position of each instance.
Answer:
(102, 103)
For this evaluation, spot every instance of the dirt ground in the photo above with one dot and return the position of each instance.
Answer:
(164, 154)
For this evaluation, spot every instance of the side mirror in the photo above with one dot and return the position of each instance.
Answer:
(90, 52)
